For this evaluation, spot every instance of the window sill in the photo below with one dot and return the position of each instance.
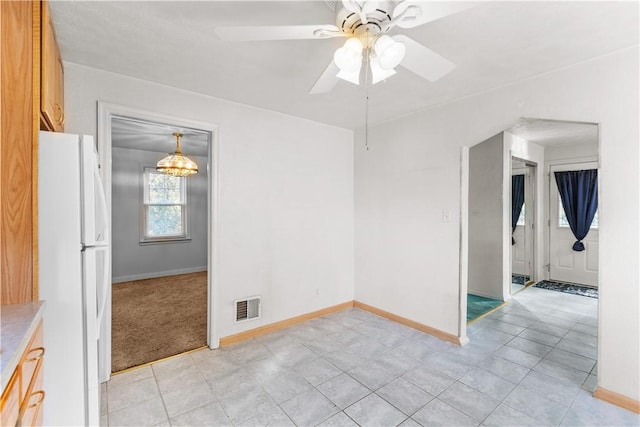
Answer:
(164, 241)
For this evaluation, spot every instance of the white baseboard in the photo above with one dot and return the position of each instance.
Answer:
(153, 275)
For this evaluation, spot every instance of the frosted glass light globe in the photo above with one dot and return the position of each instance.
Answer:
(389, 52)
(349, 57)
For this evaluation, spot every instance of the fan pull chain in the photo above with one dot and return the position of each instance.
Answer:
(366, 91)
(366, 115)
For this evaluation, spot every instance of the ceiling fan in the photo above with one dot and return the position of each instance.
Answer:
(365, 24)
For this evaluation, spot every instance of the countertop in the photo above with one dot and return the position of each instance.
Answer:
(18, 322)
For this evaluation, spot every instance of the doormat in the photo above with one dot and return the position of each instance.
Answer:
(568, 288)
(477, 306)
(519, 279)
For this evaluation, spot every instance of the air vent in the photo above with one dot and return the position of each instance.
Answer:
(247, 309)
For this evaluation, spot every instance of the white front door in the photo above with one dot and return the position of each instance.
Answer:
(565, 264)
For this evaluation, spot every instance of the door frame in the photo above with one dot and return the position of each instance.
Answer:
(527, 228)
(530, 171)
(106, 113)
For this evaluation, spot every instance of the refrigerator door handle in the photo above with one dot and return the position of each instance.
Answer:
(105, 290)
(103, 236)
(95, 213)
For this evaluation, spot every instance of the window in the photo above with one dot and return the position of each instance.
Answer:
(164, 207)
(521, 217)
(564, 222)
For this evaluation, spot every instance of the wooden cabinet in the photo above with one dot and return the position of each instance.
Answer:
(21, 401)
(51, 76)
(10, 402)
(19, 75)
(28, 50)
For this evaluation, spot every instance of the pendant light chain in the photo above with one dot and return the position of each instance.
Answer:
(178, 142)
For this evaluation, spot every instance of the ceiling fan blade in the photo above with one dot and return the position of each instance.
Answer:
(352, 6)
(423, 61)
(422, 12)
(278, 32)
(327, 80)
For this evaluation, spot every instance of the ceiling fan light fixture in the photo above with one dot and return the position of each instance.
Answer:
(349, 57)
(177, 164)
(350, 76)
(389, 52)
(377, 72)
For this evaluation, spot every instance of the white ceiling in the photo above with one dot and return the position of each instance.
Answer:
(553, 132)
(157, 137)
(492, 44)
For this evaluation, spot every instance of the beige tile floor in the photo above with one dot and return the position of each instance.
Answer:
(532, 362)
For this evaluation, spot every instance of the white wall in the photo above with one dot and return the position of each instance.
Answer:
(571, 153)
(412, 173)
(133, 261)
(486, 218)
(286, 194)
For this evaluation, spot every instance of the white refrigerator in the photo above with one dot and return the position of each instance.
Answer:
(74, 269)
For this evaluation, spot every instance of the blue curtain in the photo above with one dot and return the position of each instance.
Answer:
(579, 195)
(517, 200)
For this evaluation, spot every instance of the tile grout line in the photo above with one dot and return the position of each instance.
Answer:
(164, 405)
(215, 396)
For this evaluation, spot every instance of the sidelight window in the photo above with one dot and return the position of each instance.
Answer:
(564, 222)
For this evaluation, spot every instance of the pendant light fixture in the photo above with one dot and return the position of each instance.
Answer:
(176, 164)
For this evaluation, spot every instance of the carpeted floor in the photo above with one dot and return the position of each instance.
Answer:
(157, 318)
(569, 288)
(477, 306)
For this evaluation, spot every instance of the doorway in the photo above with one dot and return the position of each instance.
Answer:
(122, 135)
(487, 285)
(159, 242)
(535, 146)
(523, 207)
(567, 265)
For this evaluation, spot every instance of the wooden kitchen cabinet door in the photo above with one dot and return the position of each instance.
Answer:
(18, 133)
(52, 76)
